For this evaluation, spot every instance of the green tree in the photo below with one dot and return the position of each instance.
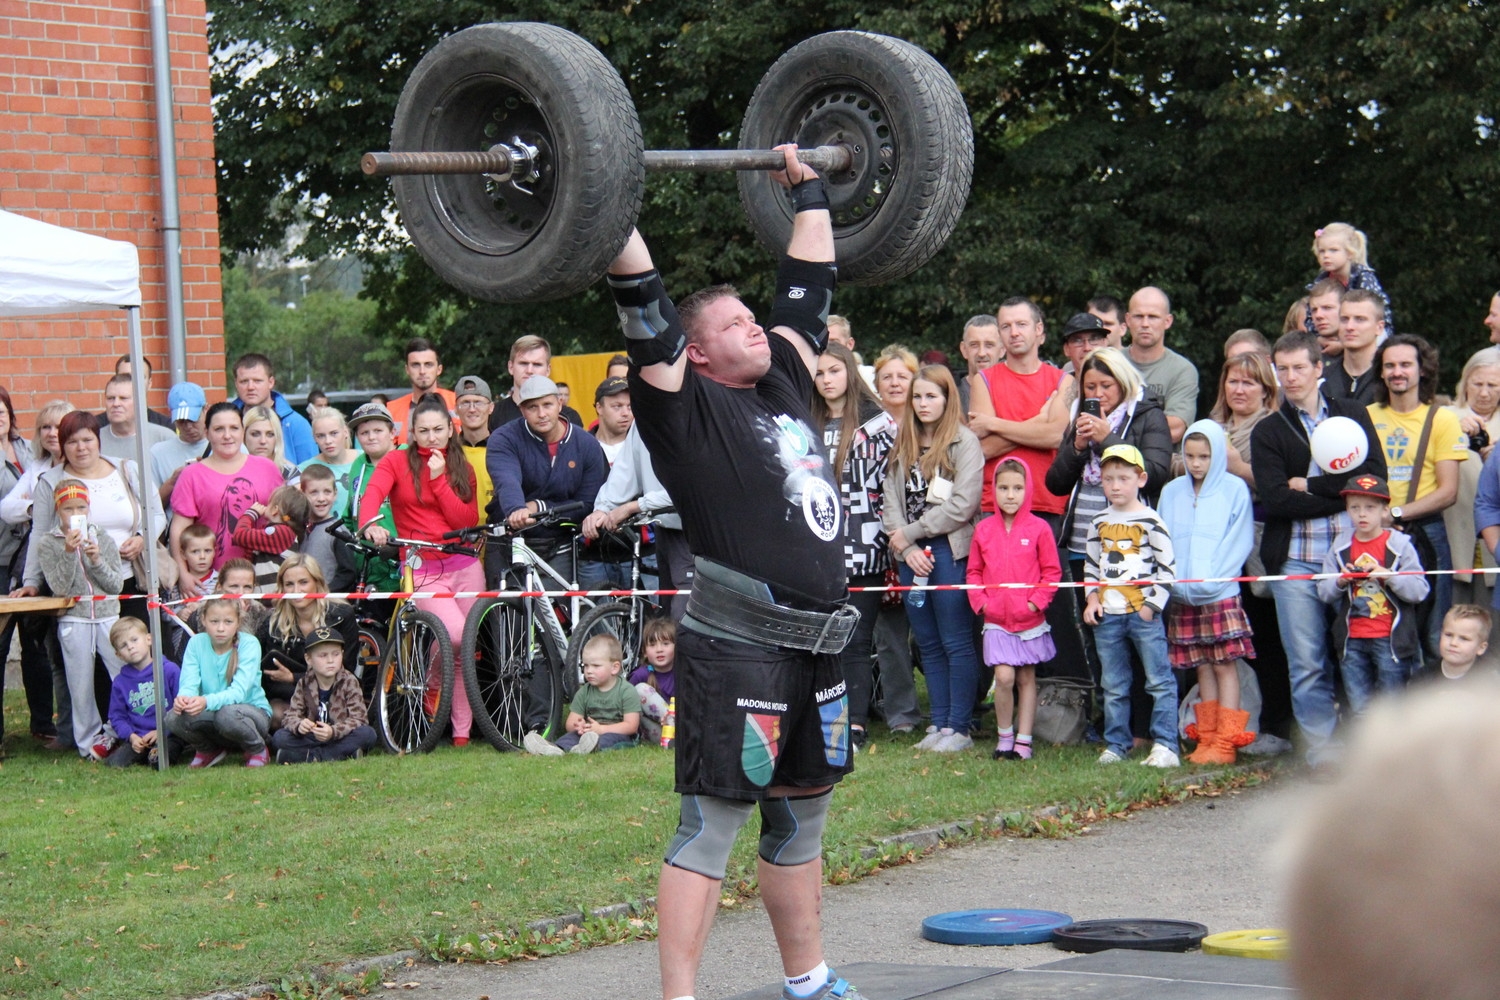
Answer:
(1192, 145)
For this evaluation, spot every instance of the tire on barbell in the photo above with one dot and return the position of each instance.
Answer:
(901, 107)
(551, 88)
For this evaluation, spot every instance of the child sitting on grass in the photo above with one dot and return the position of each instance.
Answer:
(132, 698)
(655, 680)
(326, 719)
(220, 704)
(606, 712)
(272, 531)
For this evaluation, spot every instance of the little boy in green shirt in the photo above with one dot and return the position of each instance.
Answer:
(606, 711)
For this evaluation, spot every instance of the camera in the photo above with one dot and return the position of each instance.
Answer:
(1091, 407)
(78, 522)
(1479, 440)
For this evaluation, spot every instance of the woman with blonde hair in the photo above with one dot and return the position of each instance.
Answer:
(1477, 403)
(932, 490)
(284, 632)
(894, 370)
(263, 438)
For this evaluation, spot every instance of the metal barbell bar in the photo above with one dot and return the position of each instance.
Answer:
(500, 160)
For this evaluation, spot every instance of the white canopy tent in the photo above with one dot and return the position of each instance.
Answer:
(45, 270)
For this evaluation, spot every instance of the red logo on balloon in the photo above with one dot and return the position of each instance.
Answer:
(1339, 464)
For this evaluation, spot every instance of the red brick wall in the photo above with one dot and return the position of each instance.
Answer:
(78, 149)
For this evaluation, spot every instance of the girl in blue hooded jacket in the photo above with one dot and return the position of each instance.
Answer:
(1208, 513)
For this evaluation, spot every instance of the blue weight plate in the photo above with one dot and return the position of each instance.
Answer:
(994, 926)
(1137, 935)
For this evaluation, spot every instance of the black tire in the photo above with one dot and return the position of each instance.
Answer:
(915, 157)
(624, 619)
(401, 716)
(512, 672)
(371, 655)
(494, 82)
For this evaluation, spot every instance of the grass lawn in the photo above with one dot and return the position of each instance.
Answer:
(127, 884)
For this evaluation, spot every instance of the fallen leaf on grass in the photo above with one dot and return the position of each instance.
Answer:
(184, 868)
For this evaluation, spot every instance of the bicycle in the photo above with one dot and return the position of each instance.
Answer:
(513, 648)
(372, 628)
(410, 705)
(622, 617)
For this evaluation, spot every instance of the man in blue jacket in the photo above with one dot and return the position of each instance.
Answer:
(540, 461)
(255, 385)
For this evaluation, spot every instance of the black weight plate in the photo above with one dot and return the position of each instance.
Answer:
(1136, 935)
(913, 143)
(550, 236)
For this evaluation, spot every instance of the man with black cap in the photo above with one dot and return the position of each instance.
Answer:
(1084, 332)
(540, 461)
(612, 404)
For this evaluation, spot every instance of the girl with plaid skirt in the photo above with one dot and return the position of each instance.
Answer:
(1208, 514)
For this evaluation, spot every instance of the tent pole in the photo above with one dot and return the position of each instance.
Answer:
(149, 533)
(171, 221)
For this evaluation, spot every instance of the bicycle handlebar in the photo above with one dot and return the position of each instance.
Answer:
(553, 515)
(390, 551)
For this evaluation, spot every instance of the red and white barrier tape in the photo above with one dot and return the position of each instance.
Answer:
(426, 595)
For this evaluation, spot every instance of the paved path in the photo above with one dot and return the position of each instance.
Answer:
(1209, 860)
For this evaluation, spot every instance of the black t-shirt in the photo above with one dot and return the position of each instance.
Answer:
(749, 476)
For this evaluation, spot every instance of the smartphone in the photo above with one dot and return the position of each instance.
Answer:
(79, 523)
(1091, 407)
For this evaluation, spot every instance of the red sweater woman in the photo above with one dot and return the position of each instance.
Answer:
(431, 489)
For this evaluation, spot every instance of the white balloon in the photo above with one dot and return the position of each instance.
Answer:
(1339, 445)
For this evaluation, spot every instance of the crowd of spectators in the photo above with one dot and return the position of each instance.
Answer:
(925, 454)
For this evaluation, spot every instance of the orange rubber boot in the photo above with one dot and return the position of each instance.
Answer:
(1207, 716)
(1207, 752)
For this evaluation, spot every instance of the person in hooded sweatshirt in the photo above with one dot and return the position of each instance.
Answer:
(1209, 515)
(1016, 547)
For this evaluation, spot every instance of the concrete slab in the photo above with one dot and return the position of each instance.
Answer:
(1108, 975)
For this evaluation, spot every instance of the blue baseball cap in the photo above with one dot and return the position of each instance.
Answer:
(186, 401)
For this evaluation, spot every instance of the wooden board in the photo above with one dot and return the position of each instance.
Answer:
(18, 605)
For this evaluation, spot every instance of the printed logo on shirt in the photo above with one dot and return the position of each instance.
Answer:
(820, 508)
(794, 435)
(835, 718)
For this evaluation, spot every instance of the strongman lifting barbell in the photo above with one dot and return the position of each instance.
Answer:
(519, 167)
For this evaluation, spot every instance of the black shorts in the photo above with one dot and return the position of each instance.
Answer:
(749, 718)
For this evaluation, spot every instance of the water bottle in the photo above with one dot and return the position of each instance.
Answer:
(918, 598)
(669, 725)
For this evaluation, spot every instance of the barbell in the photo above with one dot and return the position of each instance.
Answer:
(518, 166)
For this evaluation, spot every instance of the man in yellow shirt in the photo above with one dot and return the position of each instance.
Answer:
(1408, 367)
(475, 404)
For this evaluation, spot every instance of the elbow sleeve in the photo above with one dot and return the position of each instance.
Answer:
(804, 294)
(653, 333)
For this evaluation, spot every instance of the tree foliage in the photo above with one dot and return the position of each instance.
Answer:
(1192, 144)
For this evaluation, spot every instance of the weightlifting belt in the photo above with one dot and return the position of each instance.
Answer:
(728, 611)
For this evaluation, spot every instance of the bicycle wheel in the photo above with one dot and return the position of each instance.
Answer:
(624, 619)
(414, 692)
(512, 672)
(371, 655)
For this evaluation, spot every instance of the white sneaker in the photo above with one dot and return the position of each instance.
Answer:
(954, 743)
(534, 743)
(1160, 756)
(586, 743)
(930, 740)
(1110, 757)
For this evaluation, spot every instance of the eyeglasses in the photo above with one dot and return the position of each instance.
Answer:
(473, 404)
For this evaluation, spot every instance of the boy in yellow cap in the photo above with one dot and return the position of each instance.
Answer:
(1129, 548)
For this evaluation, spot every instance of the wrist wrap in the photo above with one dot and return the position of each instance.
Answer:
(809, 195)
(804, 294)
(653, 333)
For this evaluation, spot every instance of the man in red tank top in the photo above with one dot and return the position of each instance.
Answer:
(1016, 408)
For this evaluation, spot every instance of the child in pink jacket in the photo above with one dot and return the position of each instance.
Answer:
(1014, 546)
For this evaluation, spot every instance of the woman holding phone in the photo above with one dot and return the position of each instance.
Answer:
(1113, 407)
